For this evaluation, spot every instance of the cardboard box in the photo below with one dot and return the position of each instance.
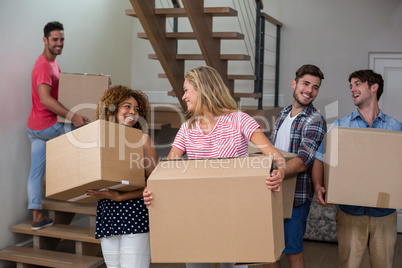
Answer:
(99, 155)
(288, 184)
(216, 210)
(80, 93)
(362, 167)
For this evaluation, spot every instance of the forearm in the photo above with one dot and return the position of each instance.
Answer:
(317, 174)
(56, 107)
(150, 155)
(51, 103)
(175, 153)
(130, 195)
(294, 166)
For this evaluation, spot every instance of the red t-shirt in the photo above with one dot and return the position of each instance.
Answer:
(44, 72)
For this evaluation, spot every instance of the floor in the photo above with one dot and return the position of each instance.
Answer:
(317, 255)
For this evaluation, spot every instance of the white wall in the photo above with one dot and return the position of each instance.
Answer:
(98, 40)
(335, 35)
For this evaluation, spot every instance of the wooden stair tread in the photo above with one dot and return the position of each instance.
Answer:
(48, 258)
(62, 231)
(247, 95)
(236, 95)
(181, 12)
(241, 77)
(191, 35)
(201, 57)
(230, 77)
(159, 126)
(64, 206)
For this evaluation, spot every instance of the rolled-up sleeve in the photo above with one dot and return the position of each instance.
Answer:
(313, 134)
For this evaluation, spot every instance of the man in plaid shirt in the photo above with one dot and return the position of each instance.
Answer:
(299, 129)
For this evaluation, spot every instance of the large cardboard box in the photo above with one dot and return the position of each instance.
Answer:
(363, 167)
(80, 93)
(288, 188)
(99, 155)
(288, 183)
(216, 210)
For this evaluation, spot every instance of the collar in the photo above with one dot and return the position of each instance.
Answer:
(307, 110)
(356, 115)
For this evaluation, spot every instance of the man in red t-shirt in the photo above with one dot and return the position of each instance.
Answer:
(42, 122)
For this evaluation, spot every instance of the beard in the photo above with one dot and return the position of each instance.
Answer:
(303, 104)
(54, 51)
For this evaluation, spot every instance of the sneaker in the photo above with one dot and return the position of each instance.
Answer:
(44, 223)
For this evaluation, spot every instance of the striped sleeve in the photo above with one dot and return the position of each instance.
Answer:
(248, 125)
(180, 139)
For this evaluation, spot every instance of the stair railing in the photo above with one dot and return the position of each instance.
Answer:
(260, 22)
(261, 18)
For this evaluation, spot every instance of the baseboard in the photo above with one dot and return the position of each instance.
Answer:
(399, 221)
(162, 97)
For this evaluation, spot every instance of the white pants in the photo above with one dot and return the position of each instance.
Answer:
(125, 251)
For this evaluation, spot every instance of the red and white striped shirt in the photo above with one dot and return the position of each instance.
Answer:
(229, 138)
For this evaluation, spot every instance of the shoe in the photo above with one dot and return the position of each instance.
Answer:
(44, 223)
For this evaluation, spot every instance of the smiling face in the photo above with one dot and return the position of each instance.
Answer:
(306, 89)
(54, 42)
(128, 112)
(361, 93)
(190, 96)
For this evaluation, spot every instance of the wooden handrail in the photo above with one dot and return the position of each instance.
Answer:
(175, 2)
(261, 4)
(271, 19)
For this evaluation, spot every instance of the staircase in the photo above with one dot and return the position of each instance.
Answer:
(165, 44)
(47, 249)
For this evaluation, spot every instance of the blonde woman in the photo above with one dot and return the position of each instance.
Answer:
(216, 128)
(122, 218)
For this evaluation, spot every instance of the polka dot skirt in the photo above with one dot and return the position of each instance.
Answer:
(118, 218)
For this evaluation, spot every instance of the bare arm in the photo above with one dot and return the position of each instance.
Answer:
(295, 166)
(175, 153)
(150, 155)
(265, 146)
(115, 195)
(56, 107)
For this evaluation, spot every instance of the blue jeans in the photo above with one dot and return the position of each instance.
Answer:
(38, 160)
(295, 228)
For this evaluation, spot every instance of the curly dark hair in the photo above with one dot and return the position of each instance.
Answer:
(108, 105)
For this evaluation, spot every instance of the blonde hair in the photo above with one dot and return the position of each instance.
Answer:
(109, 103)
(212, 92)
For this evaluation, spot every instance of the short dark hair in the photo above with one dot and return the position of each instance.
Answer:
(309, 69)
(52, 26)
(371, 78)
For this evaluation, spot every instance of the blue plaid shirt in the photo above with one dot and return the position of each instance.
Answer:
(306, 133)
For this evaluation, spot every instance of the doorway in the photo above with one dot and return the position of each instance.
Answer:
(389, 65)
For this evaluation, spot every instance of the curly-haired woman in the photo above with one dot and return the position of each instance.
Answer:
(122, 218)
